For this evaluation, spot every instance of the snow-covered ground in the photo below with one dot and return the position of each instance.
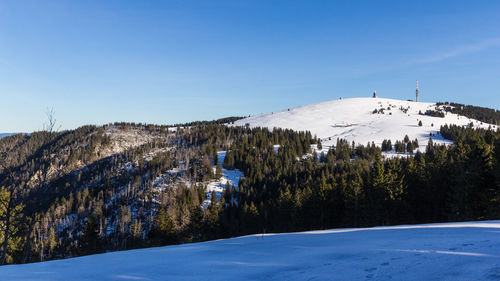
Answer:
(231, 176)
(453, 251)
(353, 119)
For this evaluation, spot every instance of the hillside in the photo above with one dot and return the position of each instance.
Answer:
(354, 119)
(124, 186)
(453, 251)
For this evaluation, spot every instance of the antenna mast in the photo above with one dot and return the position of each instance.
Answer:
(416, 99)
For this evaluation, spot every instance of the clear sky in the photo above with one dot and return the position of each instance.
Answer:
(165, 62)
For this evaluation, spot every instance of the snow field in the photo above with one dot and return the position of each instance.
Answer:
(448, 251)
(353, 119)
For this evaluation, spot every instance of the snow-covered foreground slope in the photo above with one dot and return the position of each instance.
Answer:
(453, 251)
(353, 119)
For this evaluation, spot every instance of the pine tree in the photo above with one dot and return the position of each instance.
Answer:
(354, 194)
(163, 231)
(226, 194)
(394, 180)
(90, 237)
(386, 145)
(211, 220)
(11, 219)
(400, 147)
(252, 218)
(410, 147)
(377, 174)
(218, 171)
(496, 199)
(207, 167)
(406, 139)
(213, 200)
(375, 194)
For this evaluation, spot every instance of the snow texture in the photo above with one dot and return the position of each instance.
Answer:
(448, 251)
(353, 119)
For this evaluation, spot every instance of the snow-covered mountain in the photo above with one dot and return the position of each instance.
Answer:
(353, 119)
(3, 135)
(449, 251)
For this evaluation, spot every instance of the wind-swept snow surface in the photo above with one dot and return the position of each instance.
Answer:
(353, 119)
(452, 251)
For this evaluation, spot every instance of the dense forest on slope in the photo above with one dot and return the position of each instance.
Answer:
(487, 115)
(123, 185)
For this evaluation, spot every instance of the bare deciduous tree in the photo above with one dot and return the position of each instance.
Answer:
(52, 125)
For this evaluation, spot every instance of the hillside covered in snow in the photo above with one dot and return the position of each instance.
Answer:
(123, 186)
(354, 119)
(453, 251)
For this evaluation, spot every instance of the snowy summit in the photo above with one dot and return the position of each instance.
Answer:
(354, 119)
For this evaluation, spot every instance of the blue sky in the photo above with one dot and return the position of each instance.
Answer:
(175, 61)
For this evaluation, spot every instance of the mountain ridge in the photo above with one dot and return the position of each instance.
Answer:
(3, 135)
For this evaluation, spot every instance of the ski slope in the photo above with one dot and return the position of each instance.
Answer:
(451, 251)
(353, 119)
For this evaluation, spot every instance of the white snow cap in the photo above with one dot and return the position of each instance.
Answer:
(353, 119)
